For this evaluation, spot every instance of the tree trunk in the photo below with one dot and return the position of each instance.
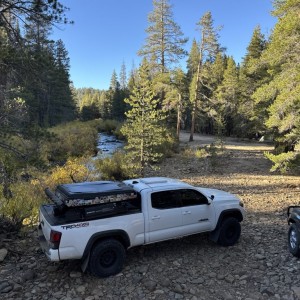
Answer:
(194, 110)
(193, 122)
(178, 115)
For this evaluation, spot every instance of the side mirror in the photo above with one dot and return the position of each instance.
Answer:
(212, 197)
(209, 200)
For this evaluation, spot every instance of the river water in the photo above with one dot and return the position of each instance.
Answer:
(107, 145)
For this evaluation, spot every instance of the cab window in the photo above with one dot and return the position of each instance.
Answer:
(192, 197)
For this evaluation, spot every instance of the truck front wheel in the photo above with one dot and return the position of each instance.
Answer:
(107, 258)
(294, 240)
(230, 232)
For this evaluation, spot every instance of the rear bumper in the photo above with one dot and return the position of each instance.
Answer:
(52, 254)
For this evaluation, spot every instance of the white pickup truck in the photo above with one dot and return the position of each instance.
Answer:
(97, 221)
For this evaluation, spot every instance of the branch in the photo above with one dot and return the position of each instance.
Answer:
(12, 149)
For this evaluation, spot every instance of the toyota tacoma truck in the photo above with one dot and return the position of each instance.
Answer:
(293, 215)
(97, 222)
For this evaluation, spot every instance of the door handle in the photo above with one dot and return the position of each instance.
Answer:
(188, 212)
(155, 217)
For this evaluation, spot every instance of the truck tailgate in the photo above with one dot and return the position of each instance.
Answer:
(44, 215)
(44, 232)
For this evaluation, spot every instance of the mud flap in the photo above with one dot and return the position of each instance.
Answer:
(214, 235)
(85, 262)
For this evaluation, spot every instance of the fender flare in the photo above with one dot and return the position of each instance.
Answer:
(117, 234)
(236, 213)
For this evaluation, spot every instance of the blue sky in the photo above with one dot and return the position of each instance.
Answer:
(107, 33)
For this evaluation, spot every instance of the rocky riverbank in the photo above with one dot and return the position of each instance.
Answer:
(258, 267)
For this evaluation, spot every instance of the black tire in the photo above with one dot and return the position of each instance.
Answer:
(107, 258)
(294, 240)
(230, 231)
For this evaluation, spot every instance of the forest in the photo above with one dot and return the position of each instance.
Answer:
(43, 116)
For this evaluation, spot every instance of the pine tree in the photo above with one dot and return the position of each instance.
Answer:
(123, 77)
(208, 49)
(165, 39)
(282, 60)
(256, 46)
(227, 95)
(144, 128)
(193, 60)
(213, 75)
(176, 96)
(62, 108)
(252, 75)
(116, 98)
(48, 11)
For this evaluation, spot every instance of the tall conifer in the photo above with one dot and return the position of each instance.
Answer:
(165, 41)
(208, 49)
(144, 127)
(282, 61)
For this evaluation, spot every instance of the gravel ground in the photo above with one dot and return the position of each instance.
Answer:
(259, 266)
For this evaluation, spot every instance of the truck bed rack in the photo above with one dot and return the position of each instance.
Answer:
(97, 198)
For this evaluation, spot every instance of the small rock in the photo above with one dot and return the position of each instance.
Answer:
(17, 287)
(51, 269)
(28, 275)
(267, 291)
(80, 289)
(296, 290)
(5, 287)
(192, 291)
(178, 289)
(165, 282)
(229, 279)
(75, 274)
(227, 296)
(259, 256)
(3, 253)
(143, 269)
(176, 263)
(150, 285)
(199, 280)
(212, 274)
(178, 296)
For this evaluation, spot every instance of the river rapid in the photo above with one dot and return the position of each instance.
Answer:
(107, 145)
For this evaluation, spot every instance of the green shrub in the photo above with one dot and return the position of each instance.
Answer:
(72, 139)
(76, 169)
(213, 154)
(108, 126)
(117, 132)
(219, 143)
(169, 146)
(283, 162)
(24, 204)
(200, 152)
(114, 168)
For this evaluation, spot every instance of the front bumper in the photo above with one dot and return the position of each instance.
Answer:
(52, 254)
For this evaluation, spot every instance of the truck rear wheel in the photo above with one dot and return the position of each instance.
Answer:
(107, 258)
(230, 232)
(294, 240)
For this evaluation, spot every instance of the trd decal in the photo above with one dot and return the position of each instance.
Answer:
(78, 225)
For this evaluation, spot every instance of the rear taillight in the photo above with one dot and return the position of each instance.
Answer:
(55, 237)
